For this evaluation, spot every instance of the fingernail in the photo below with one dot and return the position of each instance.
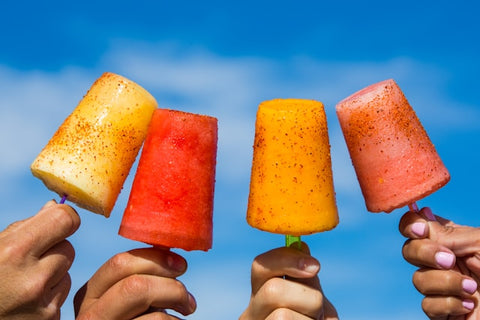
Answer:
(176, 263)
(429, 214)
(445, 259)
(469, 285)
(309, 265)
(49, 204)
(418, 228)
(468, 304)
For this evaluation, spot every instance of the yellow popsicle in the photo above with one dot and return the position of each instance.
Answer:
(291, 186)
(90, 155)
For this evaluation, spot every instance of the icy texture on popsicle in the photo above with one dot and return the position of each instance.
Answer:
(291, 186)
(171, 201)
(90, 155)
(395, 161)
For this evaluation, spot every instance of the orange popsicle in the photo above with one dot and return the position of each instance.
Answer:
(395, 161)
(90, 155)
(291, 186)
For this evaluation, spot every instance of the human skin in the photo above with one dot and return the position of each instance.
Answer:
(448, 257)
(34, 261)
(285, 285)
(137, 284)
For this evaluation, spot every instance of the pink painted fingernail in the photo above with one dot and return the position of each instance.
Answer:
(445, 259)
(468, 304)
(418, 228)
(469, 285)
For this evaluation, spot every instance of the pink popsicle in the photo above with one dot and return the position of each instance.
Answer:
(395, 161)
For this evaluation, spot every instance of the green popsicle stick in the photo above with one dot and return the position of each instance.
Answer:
(293, 241)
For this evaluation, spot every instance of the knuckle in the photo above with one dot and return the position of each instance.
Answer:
(11, 251)
(68, 250)
(256, 266)
(428, 308)
(134, 286)
(434, 307)
(317, 300)
(450, 279)
(273, 287)
(14, 226)
(418, 280)
(281, 314)
(31, 293)
(178, 289)
(405, 248)
(120, 261)
(51, 313)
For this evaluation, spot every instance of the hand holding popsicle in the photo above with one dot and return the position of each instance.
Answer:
(449, 259)
(134, 284)
(299, 296)
(34, 261)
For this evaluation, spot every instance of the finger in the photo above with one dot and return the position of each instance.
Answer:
(53, 299)
(157, 316)
(444, 283)
(13, 227)
(473, 263)
(280, 293)
(135, 294)
(428, 253)
(284, 313)
(311, 281)
(438, 306)
(330, 313)
(58, 294)
(56, 262)
(412, 225)
(151, 261)
(51, 225)
(282, 262)
(462, 240)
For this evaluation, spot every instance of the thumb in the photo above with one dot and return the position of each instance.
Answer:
(462, 240)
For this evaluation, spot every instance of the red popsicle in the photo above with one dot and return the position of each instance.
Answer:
(171, 201)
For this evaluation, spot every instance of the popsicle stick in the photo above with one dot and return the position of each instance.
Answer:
(62, 201)
(293, 241)
(414, 208)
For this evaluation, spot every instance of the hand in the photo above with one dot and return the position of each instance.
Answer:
(136, 284)
(285, 286)
(448, 257)
(34, 263)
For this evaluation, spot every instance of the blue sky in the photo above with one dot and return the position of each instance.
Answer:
(223, 58)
